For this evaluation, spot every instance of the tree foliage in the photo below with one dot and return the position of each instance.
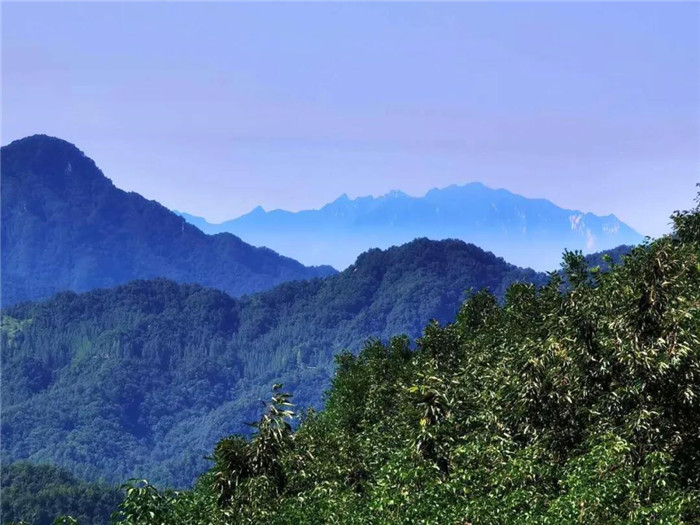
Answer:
(42, 494)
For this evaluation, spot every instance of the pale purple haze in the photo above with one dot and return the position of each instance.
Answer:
(215, 108)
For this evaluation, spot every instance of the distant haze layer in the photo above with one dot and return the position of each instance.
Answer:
(528, 232)
(216, 107)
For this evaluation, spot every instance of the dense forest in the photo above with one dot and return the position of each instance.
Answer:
(65, 226)
(576, 404)
(143, 379)
(38, 494)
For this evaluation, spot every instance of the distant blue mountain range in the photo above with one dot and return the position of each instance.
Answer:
(527, 232)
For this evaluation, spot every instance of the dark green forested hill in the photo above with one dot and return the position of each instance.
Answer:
(561, 405)
(37, 494)
(142, 379)
(65, 226)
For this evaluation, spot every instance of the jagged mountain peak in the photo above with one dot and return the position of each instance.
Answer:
(529, 232)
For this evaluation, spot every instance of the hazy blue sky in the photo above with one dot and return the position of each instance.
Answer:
(218, 107)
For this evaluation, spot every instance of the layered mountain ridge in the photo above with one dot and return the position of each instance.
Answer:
(142, 379)
(527, 232)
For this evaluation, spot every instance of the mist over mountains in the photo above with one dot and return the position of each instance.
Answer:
(527, 232)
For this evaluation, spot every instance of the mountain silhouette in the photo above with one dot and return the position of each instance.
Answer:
(65, 226)
(527, 232)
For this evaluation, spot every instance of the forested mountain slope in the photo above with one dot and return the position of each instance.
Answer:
(37, 494)
(65, 226)
(562, 405)
(142, 379)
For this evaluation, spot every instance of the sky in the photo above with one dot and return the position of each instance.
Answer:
(215, 108)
